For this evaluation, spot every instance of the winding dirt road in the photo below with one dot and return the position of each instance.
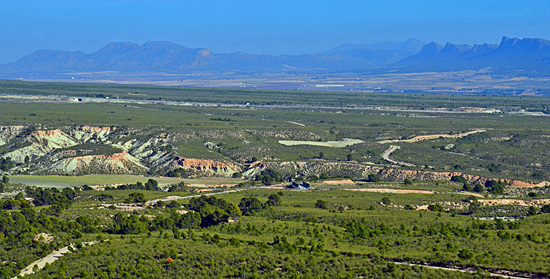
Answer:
(389, 151)
(436, 136)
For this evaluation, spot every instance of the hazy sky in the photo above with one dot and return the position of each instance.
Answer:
(266, 27)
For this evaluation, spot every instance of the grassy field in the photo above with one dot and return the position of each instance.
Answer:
(335, 144)
(109, 179)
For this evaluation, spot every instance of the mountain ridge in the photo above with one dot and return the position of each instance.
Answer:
(167, 57)
(511, 53)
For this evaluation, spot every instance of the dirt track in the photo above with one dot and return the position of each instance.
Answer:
(436, 136)
(515, 202)
(175, 198)
(389, 151)
(52, 257)
(338, 182)
(392, 191)
(495, 273)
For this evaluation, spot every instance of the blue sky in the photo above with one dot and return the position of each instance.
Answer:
(261, 27)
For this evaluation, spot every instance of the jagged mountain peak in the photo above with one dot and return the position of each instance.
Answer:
(431, 48)
(455, 48)
(510, 54)
(526, 43)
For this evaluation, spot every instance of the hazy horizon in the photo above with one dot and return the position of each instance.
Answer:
(261, 27)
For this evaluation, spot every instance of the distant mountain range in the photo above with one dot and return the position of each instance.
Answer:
(164, 57)
(510, 54)
(379, 54)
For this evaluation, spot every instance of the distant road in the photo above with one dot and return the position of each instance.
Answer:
(430, 137)
(80, 100)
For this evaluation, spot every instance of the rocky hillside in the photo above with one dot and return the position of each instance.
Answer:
(81, 150)
(359, 171)
(87, 150)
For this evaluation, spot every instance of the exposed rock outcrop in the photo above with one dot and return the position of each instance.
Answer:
(84, 150)
(360, 171)
(86, 133)
(201, 167)
(41, 143)
(117, 150)
(120, 163)
(8, 133)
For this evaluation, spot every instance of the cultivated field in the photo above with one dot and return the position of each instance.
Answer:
(116, 179)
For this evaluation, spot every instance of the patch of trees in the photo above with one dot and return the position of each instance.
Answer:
(6, 164)
(251, 206)
(180, 187)
(436, 207)
(321, 204)
(150, 185)
(373, 178)
(467, 187)
(105, 197)
(478, 188)
(492, 167)
(163, 204)
(495, 187)
(135, 224)
(491, 186)
(14, 204)
(459, 179)
(361, 228)
(25, 223)
(213, 210)
(538, 174)
(135, 198)
(220, 119)
(179, 172)
(51, 196)
(95, 95)
(163, 258)
(269, 176)
(87, 224)
(86, 188)
(132, 224)
(273, 200)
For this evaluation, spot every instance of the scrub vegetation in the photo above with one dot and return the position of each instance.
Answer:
(211, 197)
